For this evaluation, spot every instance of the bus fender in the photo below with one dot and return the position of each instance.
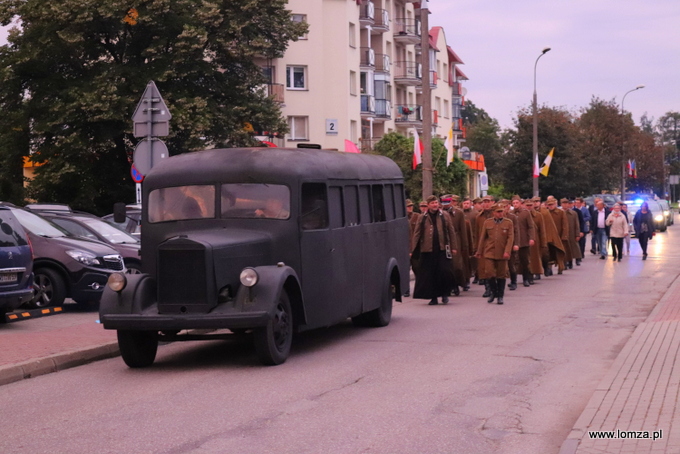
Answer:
(264, 295)
(138, 294)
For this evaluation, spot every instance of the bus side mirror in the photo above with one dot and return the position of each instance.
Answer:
(119, 213)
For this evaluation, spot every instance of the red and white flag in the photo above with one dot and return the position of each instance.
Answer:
(417, 150)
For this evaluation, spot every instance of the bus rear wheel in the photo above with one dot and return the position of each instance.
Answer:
(138, 348)
(273, 341)
(381, 316)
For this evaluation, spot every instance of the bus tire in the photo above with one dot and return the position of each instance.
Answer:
(273, 341)
(138, 348)
(381, 316)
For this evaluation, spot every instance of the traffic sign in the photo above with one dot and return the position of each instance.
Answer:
(137, 177)
(149, 153)
(152, 116)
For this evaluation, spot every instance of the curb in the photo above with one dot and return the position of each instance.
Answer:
(57, 362)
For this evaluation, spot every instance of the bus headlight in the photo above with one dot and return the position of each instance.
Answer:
(248, 277)
(117, 282)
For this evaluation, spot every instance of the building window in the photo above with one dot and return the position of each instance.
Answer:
(296, 77)
(353, 83)
(352, 35)
(300, 18)
(298, 128)
(446, 109)
(353, 131)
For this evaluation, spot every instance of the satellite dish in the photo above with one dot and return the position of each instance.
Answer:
(463, 91)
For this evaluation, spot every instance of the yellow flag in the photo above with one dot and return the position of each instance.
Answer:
(546, 164)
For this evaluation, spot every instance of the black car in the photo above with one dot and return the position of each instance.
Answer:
(94, 228)
(66, 266)
(609, 199)
(132, 222)
(16, 263)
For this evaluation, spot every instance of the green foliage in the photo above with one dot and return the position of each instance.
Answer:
(80, 67)
(451, 179)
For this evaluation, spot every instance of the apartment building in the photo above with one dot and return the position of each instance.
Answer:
(356, 75)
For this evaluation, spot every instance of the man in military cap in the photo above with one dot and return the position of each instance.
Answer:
(411, 216)
(560, 242)
(482, 216)
(574, 235)
(477, 204)
(434, 241)
(527, 238)
(470, 213)
(513, 263)
(422, 206)
(540, 246)
(494, 248)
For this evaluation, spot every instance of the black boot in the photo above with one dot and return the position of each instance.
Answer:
(455, 291)
(500, 290)
(513, 281)
(536, 277)
(492, 289)
(433, 302)
(475, 280)
(487, 289)
(526, 280)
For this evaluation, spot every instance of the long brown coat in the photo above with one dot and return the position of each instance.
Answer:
(540, 246)
(477, 229)
(552, 235)
(527, 228)
(574, 230)
(461, 261)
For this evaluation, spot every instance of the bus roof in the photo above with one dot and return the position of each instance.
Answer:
(286, 165)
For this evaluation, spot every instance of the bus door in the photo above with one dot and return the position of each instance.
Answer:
(372, 208)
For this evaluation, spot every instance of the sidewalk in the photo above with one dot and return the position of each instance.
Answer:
(640, 391)
(53, 343)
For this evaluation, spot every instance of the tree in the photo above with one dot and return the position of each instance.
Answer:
(80, 67)
(451, 179)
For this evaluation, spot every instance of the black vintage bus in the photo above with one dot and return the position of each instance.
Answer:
(268, 240)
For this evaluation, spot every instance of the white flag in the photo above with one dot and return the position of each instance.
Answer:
(449, 147)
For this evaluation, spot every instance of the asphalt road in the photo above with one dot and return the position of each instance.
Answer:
(468, 377)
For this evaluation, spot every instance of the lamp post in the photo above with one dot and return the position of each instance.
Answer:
(535, 139)
(623, 151)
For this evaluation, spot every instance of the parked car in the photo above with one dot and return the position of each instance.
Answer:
(608, 199)
(667, 211)
(94, 228)
(16, 263)
(66, 266)
(133, 222)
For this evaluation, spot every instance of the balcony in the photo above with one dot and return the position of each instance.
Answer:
(367, 105)
(367, 58)
(408, 73)
(274, 91)
(408, 114)
(383, 109)
(457, 89)
(382, 21)
(407, 31)
(367, 14)
(382, 63)
(434, 78)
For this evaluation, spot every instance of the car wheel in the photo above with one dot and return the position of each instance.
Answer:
(50, 289)
(273, 341)
(133, 268)
(380, 316)
(138, 348)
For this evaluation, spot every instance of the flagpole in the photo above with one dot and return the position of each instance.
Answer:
(535, 115)
(623, 145)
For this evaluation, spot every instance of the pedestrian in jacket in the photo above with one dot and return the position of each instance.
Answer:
(618, 230)
(599, 228)
(643, 223)
(580, 205)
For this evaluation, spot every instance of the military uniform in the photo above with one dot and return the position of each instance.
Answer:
(527, 233)
(559, 254)
(494, 248)
(540, 247)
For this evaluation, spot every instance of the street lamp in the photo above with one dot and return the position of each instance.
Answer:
(623, 152)
(535, 140)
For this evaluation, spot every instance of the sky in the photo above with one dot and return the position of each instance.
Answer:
(599, 48)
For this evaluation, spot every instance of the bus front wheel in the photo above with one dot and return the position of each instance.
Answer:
(273, 341)
(138, 348)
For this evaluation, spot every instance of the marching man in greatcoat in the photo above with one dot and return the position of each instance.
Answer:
(494, 248)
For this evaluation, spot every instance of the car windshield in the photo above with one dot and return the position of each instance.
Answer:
(112, 234)
(37, 225)
(181, 203)
(255, 201)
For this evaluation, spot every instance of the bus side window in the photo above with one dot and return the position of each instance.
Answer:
(351, 206)
(335, 207)
(378, 203)
(399, 201)
(389, 202)
(365, 204)
(314, 215)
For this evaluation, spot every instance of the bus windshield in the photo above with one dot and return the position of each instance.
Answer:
(271, 201)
